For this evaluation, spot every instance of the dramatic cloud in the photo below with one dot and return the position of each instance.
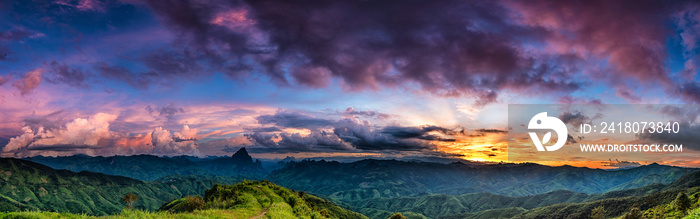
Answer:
(348, 134)
(43, 135)
(303, 41)
(51, 121)
(631, 39)
(166, 112)
(29, 82)
(165, 143)
(363, 137)
(79, 132)
(62, 73)
(295, 142)
(270, 74)
(417, 132)
(294, 120)
(448, 48)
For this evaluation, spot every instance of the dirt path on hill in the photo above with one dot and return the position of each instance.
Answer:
(264, 209)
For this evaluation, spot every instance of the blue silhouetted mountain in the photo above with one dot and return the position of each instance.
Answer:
(241, 162)
(356, 181)
(150, 167)
(241, 156)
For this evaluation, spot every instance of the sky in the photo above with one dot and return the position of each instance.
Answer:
(410, 78)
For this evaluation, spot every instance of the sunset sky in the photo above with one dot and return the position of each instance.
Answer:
(318, 78)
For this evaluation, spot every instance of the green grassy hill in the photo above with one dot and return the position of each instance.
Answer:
(557, 204)
(438, 205)
(248, 199)
(262, 198)
(26, 185)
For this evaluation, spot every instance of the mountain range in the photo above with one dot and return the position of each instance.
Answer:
(150, 167)
(392, 178)
(375, 188)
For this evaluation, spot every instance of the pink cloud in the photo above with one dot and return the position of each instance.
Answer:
(165, 143)
(80, 132)
(30, 81)
(4, 79)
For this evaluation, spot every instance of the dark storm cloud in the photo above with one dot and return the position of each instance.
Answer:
(363, 136)
(348, 134)
(447, 47)
(176, 139)
(60, 147)
(417, 132)
(62, 73)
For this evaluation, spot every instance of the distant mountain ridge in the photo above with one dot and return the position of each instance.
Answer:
(150, 167)
(391, 178)
(376, 188)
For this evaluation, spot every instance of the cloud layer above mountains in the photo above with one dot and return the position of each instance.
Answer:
(201, 77)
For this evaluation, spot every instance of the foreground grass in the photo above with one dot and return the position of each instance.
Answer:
(694, 214)
(211, 213)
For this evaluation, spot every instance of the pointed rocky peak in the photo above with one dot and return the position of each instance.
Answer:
(242, 157)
